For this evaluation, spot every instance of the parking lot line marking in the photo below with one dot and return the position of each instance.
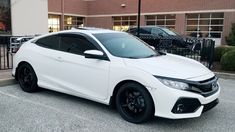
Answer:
(10, 95)
(46, 106)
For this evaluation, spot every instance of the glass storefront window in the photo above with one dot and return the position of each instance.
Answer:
(122, 23)
(217, 15)
(192, 22)
(192, 16)
(73, 22)
(191, 28)
(54, 23)
(5, 17)
(167, 21)
(205, 24)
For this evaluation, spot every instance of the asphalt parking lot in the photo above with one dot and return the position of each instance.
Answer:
(55, 112)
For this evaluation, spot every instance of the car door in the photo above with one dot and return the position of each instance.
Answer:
(47, 61)
(82, 76)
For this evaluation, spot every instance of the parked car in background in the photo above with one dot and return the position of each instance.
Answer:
(16, 42)
(115, 68)
(164, 34)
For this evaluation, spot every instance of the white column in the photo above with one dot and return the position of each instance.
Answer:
(29, 17)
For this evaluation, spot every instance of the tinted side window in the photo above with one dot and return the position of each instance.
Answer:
(145, 31)
(157, 31)
(75, 44)
(132, 31)
(142, 31)
(51, 42)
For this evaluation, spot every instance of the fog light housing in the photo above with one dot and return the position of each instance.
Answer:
(180, 108)
(186, 105)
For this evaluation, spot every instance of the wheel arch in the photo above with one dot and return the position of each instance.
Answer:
(19, 64)
(112, 101)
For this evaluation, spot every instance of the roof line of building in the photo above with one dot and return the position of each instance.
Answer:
(67, 14)
(151, 13)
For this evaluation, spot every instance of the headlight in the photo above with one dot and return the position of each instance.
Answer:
(174, 84)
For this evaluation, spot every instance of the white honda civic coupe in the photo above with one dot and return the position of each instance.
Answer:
(117, 69)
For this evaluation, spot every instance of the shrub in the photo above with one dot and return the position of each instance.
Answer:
(228, 61)
(220, 51)
(231, 38)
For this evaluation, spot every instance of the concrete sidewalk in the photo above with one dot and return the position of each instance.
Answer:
(7, 79)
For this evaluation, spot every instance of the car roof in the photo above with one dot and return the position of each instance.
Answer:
(89, 30)
(150, 26)
(83, 30)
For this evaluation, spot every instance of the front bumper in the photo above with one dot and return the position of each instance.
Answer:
(165, 100)
(210, 105)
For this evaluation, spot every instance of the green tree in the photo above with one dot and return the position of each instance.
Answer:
(231, 38)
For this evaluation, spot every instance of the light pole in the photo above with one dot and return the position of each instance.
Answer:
(62, 15)
(138, 21)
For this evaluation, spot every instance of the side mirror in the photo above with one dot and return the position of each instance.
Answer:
(95, 54)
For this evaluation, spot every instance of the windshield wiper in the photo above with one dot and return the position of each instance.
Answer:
(153, 55)
(149, 56)
(132, 57)
(161, 53)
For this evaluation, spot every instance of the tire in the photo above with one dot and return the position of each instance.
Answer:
(134, 103)
(27, 78)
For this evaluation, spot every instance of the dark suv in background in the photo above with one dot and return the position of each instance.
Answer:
(160, 35)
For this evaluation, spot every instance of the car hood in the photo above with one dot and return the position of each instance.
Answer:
(169, 65)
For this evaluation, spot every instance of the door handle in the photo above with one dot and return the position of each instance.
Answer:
(60, 59)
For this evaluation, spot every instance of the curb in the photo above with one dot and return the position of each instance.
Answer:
(7, 81)
(225, 75)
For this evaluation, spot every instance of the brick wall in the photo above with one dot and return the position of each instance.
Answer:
(70, 6)
(114, 6)
(54, 5)
(100, 22)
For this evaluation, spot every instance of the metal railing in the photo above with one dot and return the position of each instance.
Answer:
(201, 50)
(8, 46)
(6, 58)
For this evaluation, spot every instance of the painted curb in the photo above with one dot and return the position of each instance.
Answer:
(225, 75)
(7, 81)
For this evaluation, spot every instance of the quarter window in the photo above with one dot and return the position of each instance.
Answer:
(75, 44)
(141, 30)
(51, 42)
(149, 30)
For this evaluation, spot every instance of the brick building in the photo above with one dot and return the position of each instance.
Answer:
(202, 18)
(199, 18)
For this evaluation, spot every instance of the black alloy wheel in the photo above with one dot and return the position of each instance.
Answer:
(134, 103)
(27, 78)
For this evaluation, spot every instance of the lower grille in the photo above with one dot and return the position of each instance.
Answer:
(210, 105)
(186, 105)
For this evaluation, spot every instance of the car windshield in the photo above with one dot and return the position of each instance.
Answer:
(168, 31)
(125, 45)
